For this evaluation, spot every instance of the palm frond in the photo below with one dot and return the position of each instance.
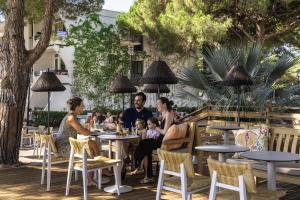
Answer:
(192, 77)
(282, 65)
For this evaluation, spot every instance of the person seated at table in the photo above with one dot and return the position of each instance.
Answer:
(141, 128)
(145, 147)
(109, 118)
(151, 133)
(129, 118)
(70, 127)
(120, 118)
(94, 119)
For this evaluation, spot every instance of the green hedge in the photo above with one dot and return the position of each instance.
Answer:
(41, 117)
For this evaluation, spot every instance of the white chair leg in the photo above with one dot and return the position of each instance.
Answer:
(42, 145)
(34, 145)
(84, 178)
(70, 169)
(99, 178)
(49, 168)
(43, 168)
(189, 196)
(183, 182)
(160, 180)
(76, 175)
(213, 187)
(21, 144)
(242, 188)
(116, 173)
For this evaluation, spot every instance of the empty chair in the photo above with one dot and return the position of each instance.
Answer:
(25, 135)
(183, 181)
(37, 140)
(239, 182)
(80, 149)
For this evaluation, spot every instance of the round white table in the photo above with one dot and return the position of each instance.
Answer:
(225, 129)
(222, 149)
(119, 140)
(270, 157)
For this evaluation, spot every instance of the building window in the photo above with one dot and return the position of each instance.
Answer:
(59, 65)
(136, 72)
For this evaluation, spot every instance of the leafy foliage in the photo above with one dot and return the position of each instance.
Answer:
(175, 26)
(182, 26)
(266, 74)
(34, 9)
(99, 58)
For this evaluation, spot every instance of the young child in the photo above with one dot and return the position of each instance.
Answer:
(151, 133)
(141, 128)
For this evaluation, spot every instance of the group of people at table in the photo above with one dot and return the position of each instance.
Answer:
(151, 132)
(150, 137)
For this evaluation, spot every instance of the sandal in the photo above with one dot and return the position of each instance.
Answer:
(136, 172)
(147, 180)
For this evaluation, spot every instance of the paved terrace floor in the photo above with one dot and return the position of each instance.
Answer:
(24, 183)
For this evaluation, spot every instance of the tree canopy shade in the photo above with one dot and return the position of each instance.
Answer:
(175, 26)
(99, 57)
(16, 62)
(182, 26)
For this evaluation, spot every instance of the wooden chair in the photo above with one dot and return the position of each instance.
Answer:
(187, 144)
(80, 149)
(239, 182)
(49, 159)
(284, 140)
(183, 181)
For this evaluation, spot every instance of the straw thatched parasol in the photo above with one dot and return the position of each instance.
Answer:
(159, 73)
(153, 88)
(48, 82)
(122, 84)
(236, 77)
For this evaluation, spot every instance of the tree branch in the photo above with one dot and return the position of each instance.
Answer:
(289, 27)
(246, 34)
(35, 53)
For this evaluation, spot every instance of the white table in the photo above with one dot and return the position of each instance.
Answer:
(270, 157)
(119, 142)
(222, 149)
(225, 130)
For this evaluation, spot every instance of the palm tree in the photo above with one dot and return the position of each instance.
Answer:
(265, 74)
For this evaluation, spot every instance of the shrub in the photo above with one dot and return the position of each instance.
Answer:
(41, 117)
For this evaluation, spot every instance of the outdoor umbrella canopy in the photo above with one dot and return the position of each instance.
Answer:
(159, 73)
(153, 88)
(122, 84)
(236, 77)
(48, 82)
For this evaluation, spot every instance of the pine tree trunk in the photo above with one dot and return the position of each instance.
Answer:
(15, 68)
(14, 83)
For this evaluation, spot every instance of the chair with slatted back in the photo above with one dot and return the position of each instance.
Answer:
(25, 135)
(183, 181)
(284, 140)
(37, 140)
(49, 158)
(238, 182)
(87, 163)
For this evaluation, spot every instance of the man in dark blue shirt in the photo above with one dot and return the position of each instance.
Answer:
(138, 112)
